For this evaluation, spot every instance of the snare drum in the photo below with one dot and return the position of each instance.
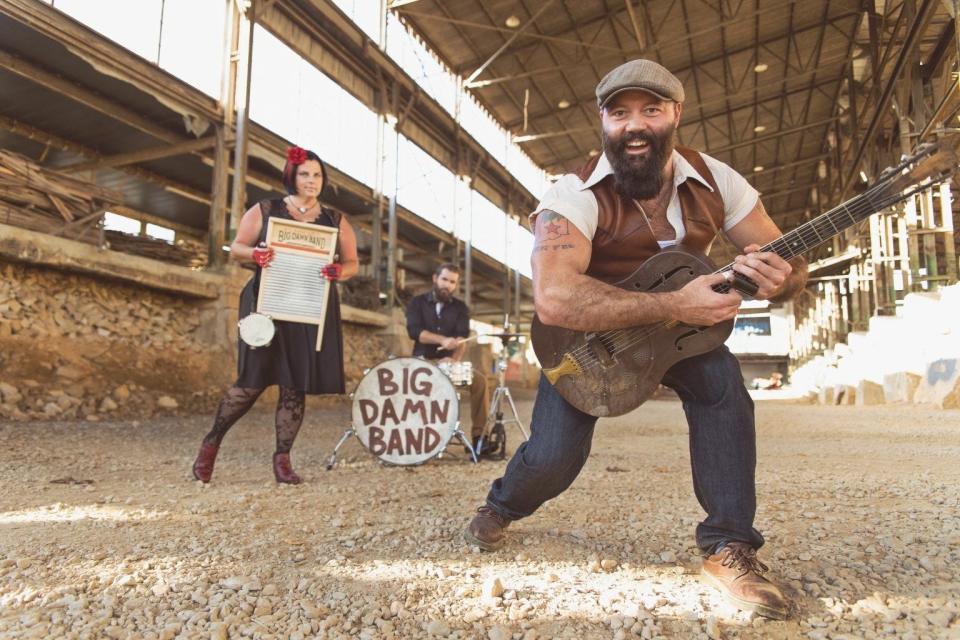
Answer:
(460, 373)
(256, 330)
(405, 411)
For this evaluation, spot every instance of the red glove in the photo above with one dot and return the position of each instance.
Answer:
(262, 256)
(332, 271)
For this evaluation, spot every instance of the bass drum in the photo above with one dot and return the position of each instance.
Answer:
(405, 411)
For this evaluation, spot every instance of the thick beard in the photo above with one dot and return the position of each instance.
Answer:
(441, 295)
(639, 178)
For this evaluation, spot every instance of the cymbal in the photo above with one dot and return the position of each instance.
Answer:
(504, 335)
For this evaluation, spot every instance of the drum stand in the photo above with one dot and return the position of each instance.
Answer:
(332, 460)
(350, 431)
(495, 415)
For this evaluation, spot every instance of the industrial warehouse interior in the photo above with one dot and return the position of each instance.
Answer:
(558, 319)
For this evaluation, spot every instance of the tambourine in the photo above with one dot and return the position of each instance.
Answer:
(256, 330)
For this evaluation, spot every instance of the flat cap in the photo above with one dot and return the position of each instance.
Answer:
(640, 74)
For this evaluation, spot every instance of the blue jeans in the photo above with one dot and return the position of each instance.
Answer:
(723, 453)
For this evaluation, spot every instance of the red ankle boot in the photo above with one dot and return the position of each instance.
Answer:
(282, 470)
(203, 465)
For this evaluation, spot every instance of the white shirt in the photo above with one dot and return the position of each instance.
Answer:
(573, 199)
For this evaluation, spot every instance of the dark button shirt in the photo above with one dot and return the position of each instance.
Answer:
(452, 322)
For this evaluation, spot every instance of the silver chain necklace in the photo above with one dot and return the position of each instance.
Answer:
(302, 210)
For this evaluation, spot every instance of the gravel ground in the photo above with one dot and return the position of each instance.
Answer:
(104, 534)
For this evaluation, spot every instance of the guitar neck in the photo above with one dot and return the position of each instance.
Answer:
(826, 226)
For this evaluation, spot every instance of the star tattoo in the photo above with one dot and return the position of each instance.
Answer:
(555, 226)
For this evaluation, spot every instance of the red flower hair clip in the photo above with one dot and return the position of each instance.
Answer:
(296, 155)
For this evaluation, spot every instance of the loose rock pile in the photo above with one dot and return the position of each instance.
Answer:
(75, 347)
(105, 535)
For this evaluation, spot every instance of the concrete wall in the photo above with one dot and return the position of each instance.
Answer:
(913, 357)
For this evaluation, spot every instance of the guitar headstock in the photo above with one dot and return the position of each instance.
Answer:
(932, 162)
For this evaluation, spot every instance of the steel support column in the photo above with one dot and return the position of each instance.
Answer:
(216, 232)
(238, 202)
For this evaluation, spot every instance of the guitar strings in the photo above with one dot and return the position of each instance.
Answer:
(620, 335)
(627, 340)
(623, 339)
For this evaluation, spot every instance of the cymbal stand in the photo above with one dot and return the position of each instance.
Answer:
(495, 417)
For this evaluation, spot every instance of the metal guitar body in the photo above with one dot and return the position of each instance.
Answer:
(609, 373)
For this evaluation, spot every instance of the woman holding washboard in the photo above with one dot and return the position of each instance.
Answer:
(291, 360)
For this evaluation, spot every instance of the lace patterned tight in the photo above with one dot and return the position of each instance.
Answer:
(238, 400)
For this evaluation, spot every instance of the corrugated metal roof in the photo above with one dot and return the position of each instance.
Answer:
(538, 78)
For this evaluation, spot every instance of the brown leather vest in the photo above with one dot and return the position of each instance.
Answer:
(623, 240)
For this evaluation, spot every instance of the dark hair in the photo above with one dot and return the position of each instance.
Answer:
(447, 266)
(290, 174)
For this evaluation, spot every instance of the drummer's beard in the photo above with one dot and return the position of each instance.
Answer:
(442, 295)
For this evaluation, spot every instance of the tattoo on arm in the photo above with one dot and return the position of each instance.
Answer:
(555, 225)
(551, 247)
(550, 228)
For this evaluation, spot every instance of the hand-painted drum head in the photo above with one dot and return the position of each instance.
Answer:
(256, 330)
(405, 410)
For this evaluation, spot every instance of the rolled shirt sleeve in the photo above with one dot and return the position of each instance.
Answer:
(568, 198)
(739, 196)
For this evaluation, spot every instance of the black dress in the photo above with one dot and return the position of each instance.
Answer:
(291, 359)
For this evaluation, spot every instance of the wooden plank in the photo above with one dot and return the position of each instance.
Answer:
(61, 207)
(142, 155)
(363, 316)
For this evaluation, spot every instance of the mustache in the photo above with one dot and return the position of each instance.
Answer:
(620, 145)
(638, 176)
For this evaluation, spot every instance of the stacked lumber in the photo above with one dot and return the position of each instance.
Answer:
(43, 199)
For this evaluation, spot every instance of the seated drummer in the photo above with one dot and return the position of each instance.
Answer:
(435, 321)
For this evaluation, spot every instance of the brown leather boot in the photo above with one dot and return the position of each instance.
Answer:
(487, 530)
(203, 465)
(735, 571)
(282, 470)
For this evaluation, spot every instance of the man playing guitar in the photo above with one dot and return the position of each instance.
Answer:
(597, 225)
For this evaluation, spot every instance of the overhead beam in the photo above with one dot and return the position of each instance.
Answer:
(946, 48)
(677, 72)
(714, 150)
(33, 133)
(924, 13)
(110, 58)
(539, 37)
(144, 155)
(658, 47)
(637, 28)
(86, 97)
(551, 134)
(788, 165)
(319, 32)
(771, 136)
(786, 192)
(506, 45)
